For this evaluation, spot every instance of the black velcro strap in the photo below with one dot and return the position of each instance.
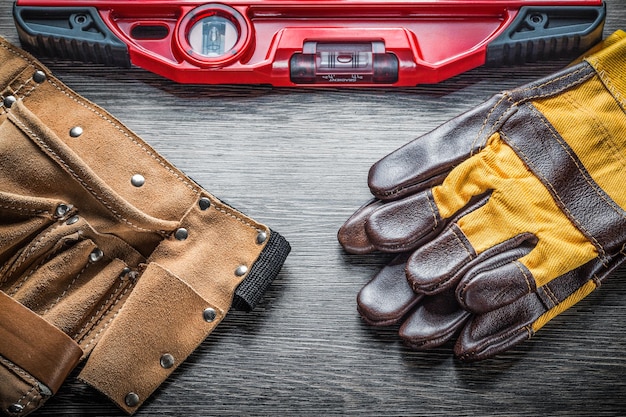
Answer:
(262, 273)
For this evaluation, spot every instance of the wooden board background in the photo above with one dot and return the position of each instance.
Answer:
(297, 159)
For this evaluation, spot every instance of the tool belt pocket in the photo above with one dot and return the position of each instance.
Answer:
(66, 263)
(60, 253)
(60, 282)
(65, 271)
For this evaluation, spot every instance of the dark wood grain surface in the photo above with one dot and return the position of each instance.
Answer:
(297, 160)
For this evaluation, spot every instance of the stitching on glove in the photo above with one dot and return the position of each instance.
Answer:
(495, 340)
(551, 187)
(455, 231)
(596, 63)
(432, 207)
(555, 80)
(506, 95)
(484, 125)
(582, 171)
(529, 330)
(553, 298)
(522, 270)
(461, 241)
(596, 280)
(614, 149)
(586, 76)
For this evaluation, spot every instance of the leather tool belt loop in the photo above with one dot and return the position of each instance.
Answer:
(156, 261)
(38, 347)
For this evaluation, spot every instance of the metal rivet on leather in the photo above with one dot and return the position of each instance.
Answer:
(15, 408)
(76, 131)
(125, 272)
(39, 76)
(9, 101)
(181, 234)
(209, 315)
(241, 270)
(61, 211)
(96, 255)
(137, 180)
(72, 220)
(204, 203)
(44, 390)
(131, 399)
(167, 361)
(261, 237)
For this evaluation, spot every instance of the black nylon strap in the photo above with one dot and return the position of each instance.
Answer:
(556, 165)
(262, 273)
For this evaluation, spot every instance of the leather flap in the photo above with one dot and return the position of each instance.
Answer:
(35, 345)
(160, 324)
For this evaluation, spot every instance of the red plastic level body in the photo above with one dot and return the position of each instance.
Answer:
(311, 42)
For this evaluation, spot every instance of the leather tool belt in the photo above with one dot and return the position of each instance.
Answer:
(108, 253)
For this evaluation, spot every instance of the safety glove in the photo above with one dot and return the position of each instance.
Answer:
(108, 253)
(504, 216)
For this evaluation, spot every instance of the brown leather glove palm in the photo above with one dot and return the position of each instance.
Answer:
(512, 212)
(107, 251)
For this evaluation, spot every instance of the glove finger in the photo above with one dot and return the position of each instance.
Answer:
(404, 224)
(496, 282)
(387, 297)
(441, 263)
(494, 332)
(489, 334)
(352, 235)
(435, 320)
(492, 289)
(424, 162)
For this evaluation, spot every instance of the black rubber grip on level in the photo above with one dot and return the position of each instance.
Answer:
(545, 33)
(69, 33)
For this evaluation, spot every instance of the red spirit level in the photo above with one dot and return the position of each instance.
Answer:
(309, 42)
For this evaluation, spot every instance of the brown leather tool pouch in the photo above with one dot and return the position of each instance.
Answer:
(108, 253)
